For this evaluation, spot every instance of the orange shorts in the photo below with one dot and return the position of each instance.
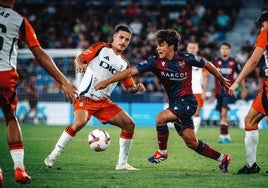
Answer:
(8, 84)
(104, 110)
(260, 103)
(199, 98)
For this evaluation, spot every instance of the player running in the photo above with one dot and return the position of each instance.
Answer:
(174, 70)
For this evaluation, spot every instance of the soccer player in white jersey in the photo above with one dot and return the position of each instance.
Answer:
(99, 62)
(199, 84)
(14, 27)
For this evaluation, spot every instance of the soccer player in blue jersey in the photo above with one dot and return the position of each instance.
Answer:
(174, 70)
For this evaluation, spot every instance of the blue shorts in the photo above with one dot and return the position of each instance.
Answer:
(223, 101)
(184, 108)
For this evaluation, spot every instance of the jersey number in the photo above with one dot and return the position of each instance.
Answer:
(3, 29)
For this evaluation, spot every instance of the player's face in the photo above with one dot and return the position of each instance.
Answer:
(165, 51)
(121, 41)
(225, 51)
(264, 25)
(192, 48)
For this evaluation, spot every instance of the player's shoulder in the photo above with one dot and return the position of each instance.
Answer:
(99, 45)
(10, 14)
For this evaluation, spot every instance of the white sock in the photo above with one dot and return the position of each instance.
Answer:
(162, 151)
(124, 147)
(221, 157)
(17, 157)
(251, 143)
(197, 122)
(64, 139)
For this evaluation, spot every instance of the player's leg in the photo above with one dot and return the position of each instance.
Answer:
(197, 117)
(127, 125)
(224, 126)
(251, 141)
(162, 135)
(190, 139)
(8, 104)
(81, 117)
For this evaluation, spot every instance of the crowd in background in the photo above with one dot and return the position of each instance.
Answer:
(77, 24)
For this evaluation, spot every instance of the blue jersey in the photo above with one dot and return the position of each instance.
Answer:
(229, 69)
(176, 74)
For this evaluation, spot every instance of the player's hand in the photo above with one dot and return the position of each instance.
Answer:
(80, 67)
(70, 91)
(232, 89)
(225, 83)
(136, 88)
(100, 85)
(140, 87)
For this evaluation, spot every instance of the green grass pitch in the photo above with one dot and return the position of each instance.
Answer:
(79, 166)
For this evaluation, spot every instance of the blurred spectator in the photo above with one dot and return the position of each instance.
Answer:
(136, 26)
(242, 56)
(251, 36)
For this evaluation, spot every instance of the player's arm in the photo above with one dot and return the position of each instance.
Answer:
(250, 65)
(45, 61)
(205, 83)
(225, 83)
(118, 77)
(27, 34)
(80, 64)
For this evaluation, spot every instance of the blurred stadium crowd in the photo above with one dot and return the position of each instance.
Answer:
(77, 24)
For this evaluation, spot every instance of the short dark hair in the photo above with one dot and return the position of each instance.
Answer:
(262, 18)
(122, 27)
(172, 37)
(226, 44)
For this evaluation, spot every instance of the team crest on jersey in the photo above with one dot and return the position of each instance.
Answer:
(87, 51)
(197, 58)
(163, 63)
(181, 63)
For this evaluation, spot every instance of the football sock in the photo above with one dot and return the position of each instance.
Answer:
(197, 122)
(224, 129)
(64, 139)
(162, 136)
(17, 154)
(205, 150)
(17, 157)
(124, 147)
(251, 143)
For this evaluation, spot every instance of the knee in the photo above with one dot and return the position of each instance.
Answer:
(250, 124)
(131, 127)
(159, 121)
(10, 116)
(193, 144)
(247, 120)
(79, 124)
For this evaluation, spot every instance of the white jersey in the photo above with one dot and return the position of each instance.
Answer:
(103, 66)
(12, 28)
(197, 80)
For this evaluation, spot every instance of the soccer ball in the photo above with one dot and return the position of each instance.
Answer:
(99, 140)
